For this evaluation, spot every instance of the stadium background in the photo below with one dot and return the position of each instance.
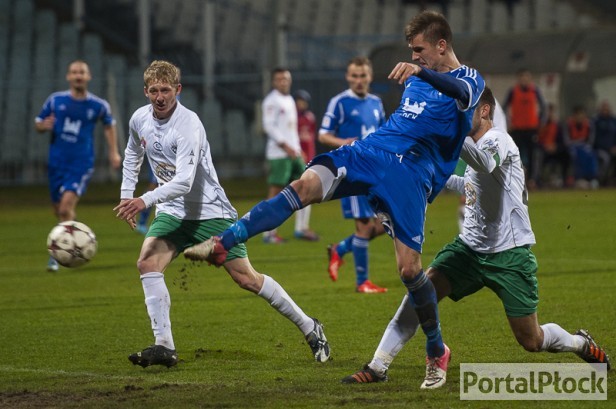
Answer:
(226, 49)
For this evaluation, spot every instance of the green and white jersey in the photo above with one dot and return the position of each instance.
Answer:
(280, 124)
(180, 158)
(496, 214)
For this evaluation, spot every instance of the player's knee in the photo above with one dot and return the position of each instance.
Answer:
(530, 343)
(308, 189)
(146, 265)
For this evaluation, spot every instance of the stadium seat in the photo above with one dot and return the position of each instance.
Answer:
(211, 116)
(68, 51)
(236, 133)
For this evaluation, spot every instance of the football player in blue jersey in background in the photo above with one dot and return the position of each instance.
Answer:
(353, 115)
(71, 116)
(402, 166)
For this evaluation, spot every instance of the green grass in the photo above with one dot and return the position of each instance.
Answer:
(64, 337)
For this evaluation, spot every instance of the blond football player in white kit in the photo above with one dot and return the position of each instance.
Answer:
(191, 206)
(492, 251)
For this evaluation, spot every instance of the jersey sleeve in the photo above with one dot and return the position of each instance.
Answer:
(382, 119)
(106, 116)
(484, 156)
(475, 84)
(332, 116)
(455, 183)
(133, 158)
(271, 121)
(46, 109)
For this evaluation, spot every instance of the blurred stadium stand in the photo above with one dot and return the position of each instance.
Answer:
(566, 40)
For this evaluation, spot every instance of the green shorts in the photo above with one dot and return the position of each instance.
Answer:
(185, 233)
(284, 171)
(511, 274)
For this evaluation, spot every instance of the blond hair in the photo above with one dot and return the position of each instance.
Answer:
(161, 71)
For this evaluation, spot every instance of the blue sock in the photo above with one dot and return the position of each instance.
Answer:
(345, 246)
(265, 216)
(360, 254)
(422, 297)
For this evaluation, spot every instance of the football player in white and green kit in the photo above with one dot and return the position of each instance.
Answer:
(492, 251)
(191, 206)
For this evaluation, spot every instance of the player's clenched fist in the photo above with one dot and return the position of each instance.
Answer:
(403, 70)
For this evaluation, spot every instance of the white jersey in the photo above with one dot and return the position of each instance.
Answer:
(280, 124)
(179, 155)
(496, 214)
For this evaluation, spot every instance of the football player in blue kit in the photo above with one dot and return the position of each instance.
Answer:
(353, 115)
(402, 167)
(71, 116)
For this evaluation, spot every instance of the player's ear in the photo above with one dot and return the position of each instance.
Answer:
(145, 91)
(179, 89)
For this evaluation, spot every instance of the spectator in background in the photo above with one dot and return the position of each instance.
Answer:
(525, 107)
(605, 141)
(307, 130)
(551, 149)
(579, 136)
(283, 151)
(71, 116)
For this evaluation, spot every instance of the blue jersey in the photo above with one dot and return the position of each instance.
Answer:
(72, 140)
(350, 116)
(431, 124)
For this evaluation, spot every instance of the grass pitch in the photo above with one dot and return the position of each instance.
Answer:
(65, 337)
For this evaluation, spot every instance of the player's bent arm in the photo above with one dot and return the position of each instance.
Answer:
(133, 159)
(480, 160)
(329, 139)
(446, 84)
(455, 183)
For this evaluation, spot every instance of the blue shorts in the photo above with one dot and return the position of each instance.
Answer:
(73, 180)
(356, 207)
(397, 186)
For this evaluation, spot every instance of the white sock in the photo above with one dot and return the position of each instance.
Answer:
(556, 339)
(399, 331)
(278, 298)
(158, 304)
(302, 219)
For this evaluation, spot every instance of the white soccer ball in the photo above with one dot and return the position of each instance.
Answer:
(72, 244)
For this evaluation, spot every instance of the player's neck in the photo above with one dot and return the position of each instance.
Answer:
(450, 63)
(483, 129)
(79, 93)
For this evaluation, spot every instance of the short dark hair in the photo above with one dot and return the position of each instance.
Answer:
(278, 70)
(432, 25)
(487, 98)
(360, 60)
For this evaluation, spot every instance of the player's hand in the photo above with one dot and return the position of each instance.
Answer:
(403, 70)
(115, 160)
(128, 210)
(348, 141)
(49, 122)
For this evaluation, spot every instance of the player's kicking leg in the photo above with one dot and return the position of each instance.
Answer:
(267, 288)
